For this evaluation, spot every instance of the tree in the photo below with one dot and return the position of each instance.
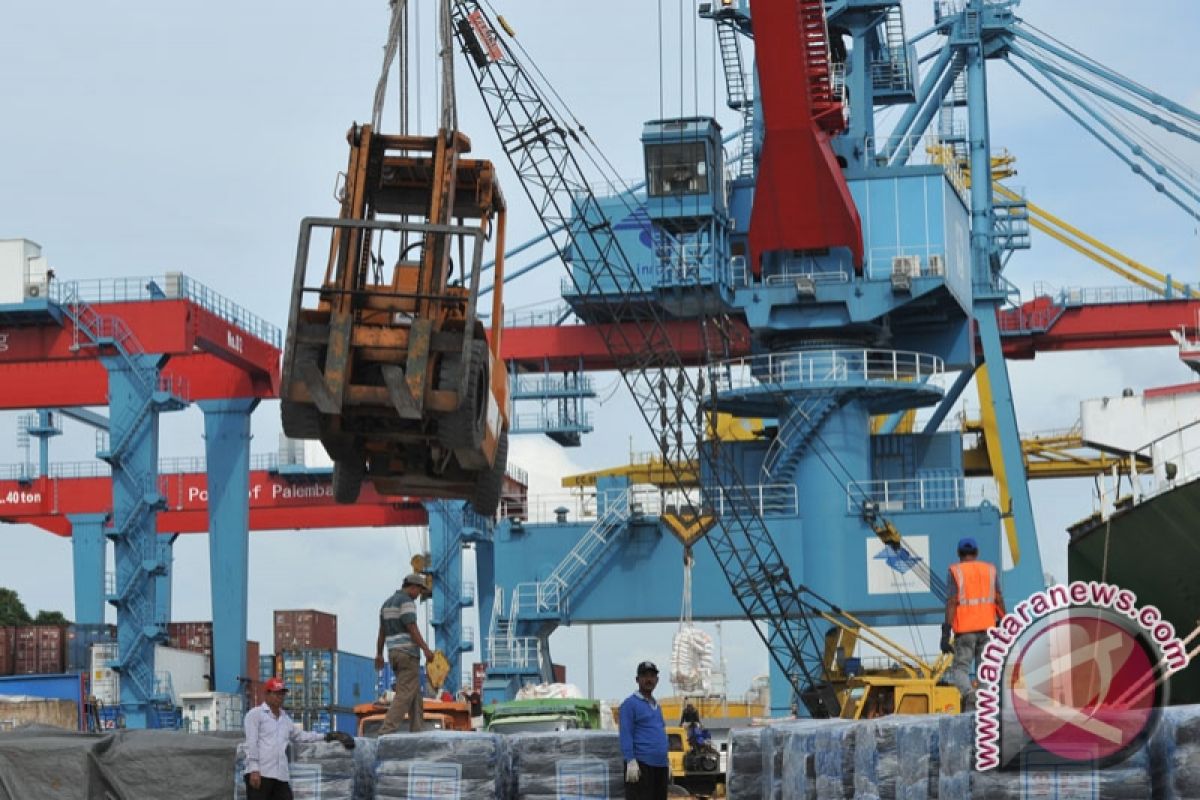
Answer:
(12, 610)
(50, 618)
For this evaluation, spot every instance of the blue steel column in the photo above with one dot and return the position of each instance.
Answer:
(133, 455)
(166, 557)
(227, 452)
(1026, 577)
(446, 556)
(88, 552)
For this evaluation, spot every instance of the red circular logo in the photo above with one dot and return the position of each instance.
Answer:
(1083, 685)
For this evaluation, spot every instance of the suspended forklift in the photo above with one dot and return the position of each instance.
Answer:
(386, 362)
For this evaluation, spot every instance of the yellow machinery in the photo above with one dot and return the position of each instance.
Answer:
(385, 361)
(904, 684)
(391, 369)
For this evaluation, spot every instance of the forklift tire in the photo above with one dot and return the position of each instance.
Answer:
(463, 428)
(486, 498)
(300, 421)
(348, 477)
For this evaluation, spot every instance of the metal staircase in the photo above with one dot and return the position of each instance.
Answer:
(891, 72)
(137, 393)
(518, 639)
(737, 95)
(796, 432)
(826, 101)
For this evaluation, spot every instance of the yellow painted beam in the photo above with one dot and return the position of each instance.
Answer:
(991, 434)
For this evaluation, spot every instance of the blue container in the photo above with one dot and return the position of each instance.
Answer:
(327, 678)
(385, 680)
(266, 667)
(356, 680)
(80, 639)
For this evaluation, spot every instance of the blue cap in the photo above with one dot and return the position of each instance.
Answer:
(967, 545)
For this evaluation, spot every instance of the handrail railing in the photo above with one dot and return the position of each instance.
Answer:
(825, 366)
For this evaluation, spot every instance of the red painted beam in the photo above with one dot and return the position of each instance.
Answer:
(65, 384)
(1095, 326)
(217, 359)
(277, 502)
(563, 346)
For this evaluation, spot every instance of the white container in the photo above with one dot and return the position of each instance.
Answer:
(23, 271)
(180, 672)
(105, 684)
(211, 711)
(177, 672)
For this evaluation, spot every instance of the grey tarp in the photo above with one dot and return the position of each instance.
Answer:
(40, 763)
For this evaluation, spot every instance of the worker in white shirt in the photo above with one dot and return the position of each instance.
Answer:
(269, 730)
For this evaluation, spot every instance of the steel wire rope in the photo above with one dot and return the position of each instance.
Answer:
(561, 107)
(1112, 77)
(1110, 142)
(1147, 141)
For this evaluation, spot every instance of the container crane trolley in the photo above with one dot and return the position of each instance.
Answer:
(393, 373)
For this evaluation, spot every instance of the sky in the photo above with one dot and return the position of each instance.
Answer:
(142, 137)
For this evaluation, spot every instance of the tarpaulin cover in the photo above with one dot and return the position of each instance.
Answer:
(42, 763)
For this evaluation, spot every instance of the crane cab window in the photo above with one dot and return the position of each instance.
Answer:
(676, 169)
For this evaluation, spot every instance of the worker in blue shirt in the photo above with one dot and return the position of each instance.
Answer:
(644, 740)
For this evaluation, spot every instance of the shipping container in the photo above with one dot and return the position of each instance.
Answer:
(266, 667)
(325, 678)
(7, 640)
(385, 680)
(560, 672)
(305, 630)
(252, 658)
(324, 720)
(212, 711)
(80, 639)
(177, 671)
(194, 636)
(39, 650)
(478, 675)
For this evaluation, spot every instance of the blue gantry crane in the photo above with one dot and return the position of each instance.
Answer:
(868, 269)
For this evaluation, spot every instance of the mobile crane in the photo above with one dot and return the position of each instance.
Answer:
(389, 366)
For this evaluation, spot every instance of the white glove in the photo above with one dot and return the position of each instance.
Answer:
(632, 772)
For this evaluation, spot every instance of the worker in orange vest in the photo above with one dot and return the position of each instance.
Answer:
(973, 604)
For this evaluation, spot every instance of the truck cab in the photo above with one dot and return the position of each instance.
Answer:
(543, 714)
(440, 715)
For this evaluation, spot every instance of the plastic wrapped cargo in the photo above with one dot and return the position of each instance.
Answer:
(1129, 780)
(442, 764)
(751, 760)
(895, 758)
(956, 739)
(808, 759)
(576, 764)
(322, 771)
(1175, 754)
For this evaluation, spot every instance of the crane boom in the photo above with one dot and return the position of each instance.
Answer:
(671, 400)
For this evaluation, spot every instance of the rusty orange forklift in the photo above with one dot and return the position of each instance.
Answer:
(386, 362)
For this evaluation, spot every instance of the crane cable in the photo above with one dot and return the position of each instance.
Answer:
(395, 36)
(692, 648)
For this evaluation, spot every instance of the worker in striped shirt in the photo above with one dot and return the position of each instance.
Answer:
(399, 635)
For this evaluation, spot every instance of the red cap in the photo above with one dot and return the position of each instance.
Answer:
(274, 685)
